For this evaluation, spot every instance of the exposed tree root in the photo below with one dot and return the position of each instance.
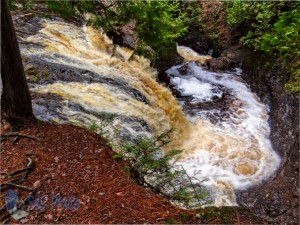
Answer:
(15, 182)
(16, 134)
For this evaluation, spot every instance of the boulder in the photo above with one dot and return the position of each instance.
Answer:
(220, 64)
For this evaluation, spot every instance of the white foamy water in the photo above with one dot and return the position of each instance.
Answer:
(191, 86)
(235, 152)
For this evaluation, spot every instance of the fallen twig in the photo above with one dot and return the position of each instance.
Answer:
(29, 166)
(18, 186)
(4, 221)
(5, 218)
(19, 171)
(6, 174)
(2, 208)
(15, 139)
(16, 134)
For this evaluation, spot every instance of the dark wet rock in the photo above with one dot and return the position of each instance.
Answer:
(125, 38)
(139, 126)
(116, 37)
(166, 60)
(26, 24)
(276, 200)
(46, 96)
(215, 103)
(45, 107)
(130, 37)
(233, 54)
(184, 69)
(216, 110)
(197, 42)
(220, 64)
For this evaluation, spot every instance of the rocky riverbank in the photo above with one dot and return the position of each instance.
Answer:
(277, 199)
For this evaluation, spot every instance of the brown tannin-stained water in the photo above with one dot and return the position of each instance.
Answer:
(226, 148)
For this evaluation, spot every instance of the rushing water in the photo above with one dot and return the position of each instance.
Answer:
(227, 147)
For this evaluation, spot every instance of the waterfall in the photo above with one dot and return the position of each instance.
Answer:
(226, 147)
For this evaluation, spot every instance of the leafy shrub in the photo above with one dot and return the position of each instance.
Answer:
(253, 20)
(192, 10)
(284, 42)
(273, 28)
(153, 169)
(158, 23)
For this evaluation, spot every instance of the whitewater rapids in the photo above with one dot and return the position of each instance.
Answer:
(230, 154)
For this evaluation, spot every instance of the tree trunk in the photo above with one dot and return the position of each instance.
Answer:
(16, 105)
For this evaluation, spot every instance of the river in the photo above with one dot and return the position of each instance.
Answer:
(219, 123)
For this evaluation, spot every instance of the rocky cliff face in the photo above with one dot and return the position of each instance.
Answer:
(277, 200)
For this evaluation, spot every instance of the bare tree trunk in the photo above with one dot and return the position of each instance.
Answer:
(16, 105)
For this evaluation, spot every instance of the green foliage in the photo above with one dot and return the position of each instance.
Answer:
(93, 127)
(171, 221)
(271, 27)
(26, 4)
(192, 10)
(284, 42)
(63, 7)
(32, 74)
(293, 85)
(144, 159)
(103, 124)
(44, 74)
(182, 219)
(224, 214)
(157, 23)
(153, 169)
(285, 36)
(185, 217)
(253, 19)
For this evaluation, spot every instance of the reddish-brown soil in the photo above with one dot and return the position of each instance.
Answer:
(78, 164)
